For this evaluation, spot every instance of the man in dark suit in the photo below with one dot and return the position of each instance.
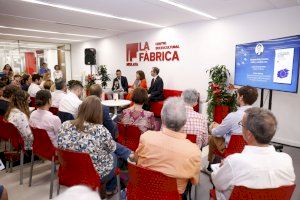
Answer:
(107, 121)
(155, 91)
(120, 86)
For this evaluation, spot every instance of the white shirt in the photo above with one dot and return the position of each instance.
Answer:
(57, 96)
(230, 124)
(33, 89)
(57, 74)
(70, 104)
(256, 167)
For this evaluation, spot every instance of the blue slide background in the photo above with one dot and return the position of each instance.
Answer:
(257, 70)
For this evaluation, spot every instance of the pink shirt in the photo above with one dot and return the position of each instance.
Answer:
(44, 119)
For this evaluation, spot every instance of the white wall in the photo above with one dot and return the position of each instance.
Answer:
(51, 60)
(204, 45)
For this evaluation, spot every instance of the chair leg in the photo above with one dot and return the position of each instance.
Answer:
(31, 168)
(118, 187)
(21, 167)
(7, 166)
(11, 166)
(58, 188)
(52, 177)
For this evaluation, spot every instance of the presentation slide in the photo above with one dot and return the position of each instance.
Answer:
(271, 64)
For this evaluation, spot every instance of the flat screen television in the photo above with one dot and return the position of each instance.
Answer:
(271, 64)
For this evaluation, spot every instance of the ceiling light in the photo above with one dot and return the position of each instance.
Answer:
(184, 7)
(29, 36)
(91, 12)
(43, 31)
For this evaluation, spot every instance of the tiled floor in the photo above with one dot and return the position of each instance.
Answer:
(41, 181)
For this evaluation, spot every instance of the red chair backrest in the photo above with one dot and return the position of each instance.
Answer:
(42, 145)
(236, 145)
(129, 135)
(171, 93)
(9, 132)
(147, 184)
(4, 133)
(32, 102)
(76, 168)
(191, 137)
(54, 110)
(244, 193)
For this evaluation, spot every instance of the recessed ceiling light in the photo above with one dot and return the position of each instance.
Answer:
(91, 12)
(30, 36)
(184, 7)
(53, 32)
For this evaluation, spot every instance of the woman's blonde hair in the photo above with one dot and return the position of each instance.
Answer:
(19, 101)
(89, 111)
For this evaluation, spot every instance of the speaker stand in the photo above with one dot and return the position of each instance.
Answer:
(91, 70)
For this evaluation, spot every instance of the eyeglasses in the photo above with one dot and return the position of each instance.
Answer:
(241, 124)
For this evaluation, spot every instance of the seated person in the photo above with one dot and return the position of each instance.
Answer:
(157, 86)
(42, 118)
(35, 85)
(48, 85)
(46, 77)
(59, 93)
(17, 80)
(8, 71)
(168, 151)
(135, 115)
(25, 82)
(2, 85)
(71, 101)
(140, 81)
(259, 166)
(120, 86)
(87, 134)
(196, 123)
(221, 133)
(18, 115)
(8, 92)
(3, 193)
(108, 123)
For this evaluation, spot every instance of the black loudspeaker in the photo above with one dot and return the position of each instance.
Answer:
(90, 56)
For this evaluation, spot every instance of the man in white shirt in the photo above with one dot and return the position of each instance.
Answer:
(259, 166)
(35, 85)
(221, 133)
(59, 93)
(71, 102)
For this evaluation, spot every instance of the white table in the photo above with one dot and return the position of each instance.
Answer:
(116, 104)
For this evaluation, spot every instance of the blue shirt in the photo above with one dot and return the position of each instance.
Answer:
(43, 70)
(230, 125)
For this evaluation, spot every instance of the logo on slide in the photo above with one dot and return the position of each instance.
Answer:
(259, 49)
(283, 73)
(131, 51)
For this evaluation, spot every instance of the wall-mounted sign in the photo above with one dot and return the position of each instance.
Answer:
(141, 52)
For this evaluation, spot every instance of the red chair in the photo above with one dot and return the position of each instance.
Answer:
(244, 193)
(76, 168)
(147, 184)
(54, 110)
(129, 135)
(11, 134)
(191, 137)
(32, 102)
(236, 145)
(43, 147)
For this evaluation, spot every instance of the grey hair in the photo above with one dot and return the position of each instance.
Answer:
(173, 114)
(261, 123)
(190, 96)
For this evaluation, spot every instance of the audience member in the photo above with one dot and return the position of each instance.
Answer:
(18, 115)
(157, 86)
(168, 151)
(259, 166)
(8, 71)
(3, 193)
(8, 92)
(2, 85)
(120, 86)
(17, 80)
(107, 121)
(71, 101)
(44, 69)
(140, 81)
(35, 85)
(42, 118)
(57, 74)
(79, 192)
(46, 77)
(59, 93)
(135, 115)
(5, 80)
(87, 134)
(25, 82)
(48, 85)
(196, 123)
(221, 133)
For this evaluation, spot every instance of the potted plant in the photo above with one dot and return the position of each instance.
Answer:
(90, 80)
(221, 95)
(104, 77)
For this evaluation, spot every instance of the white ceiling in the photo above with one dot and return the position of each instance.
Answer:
(16, 13)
